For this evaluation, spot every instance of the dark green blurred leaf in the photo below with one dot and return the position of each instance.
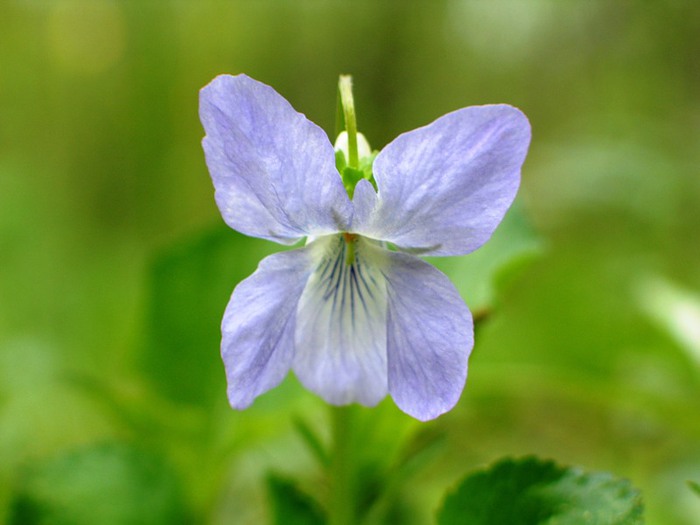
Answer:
(695, 487)
(190, 285)
(312, 441)
(532, 492)
(482, 275)
(290, 506)
(384, 497)
(109, 484)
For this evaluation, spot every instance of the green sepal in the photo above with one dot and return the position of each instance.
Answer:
(340, 161)
(366, 165)
(367, 162)
(351, 177)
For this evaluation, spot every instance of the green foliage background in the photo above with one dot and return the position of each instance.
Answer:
(115, 268)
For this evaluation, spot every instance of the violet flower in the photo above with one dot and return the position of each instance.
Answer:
(352, 318)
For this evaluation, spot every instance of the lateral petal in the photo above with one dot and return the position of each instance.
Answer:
(443, 188)
(341, 324)
(429, 338)
(258, 326)
(273, 169)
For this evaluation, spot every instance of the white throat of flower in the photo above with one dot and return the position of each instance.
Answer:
(343, 310)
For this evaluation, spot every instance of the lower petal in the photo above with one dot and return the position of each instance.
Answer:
(429, 338)
(341, 323)
(258, 326)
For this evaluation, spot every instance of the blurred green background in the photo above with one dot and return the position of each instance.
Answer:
(115, 267)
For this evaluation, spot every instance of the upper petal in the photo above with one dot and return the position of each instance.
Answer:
(429, 338)
(258, 327)
(443, 188)
(273, 169)
(341, 324)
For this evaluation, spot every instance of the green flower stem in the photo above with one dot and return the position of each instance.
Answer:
(342, 477)
(343, 505)
(348, 105)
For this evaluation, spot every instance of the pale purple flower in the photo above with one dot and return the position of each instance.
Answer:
(382, 321)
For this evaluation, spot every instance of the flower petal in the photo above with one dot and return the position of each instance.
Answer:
(364, 201)
(258, 326)
(273, 170)
(445, 187)
(341, 324)
(429, 338)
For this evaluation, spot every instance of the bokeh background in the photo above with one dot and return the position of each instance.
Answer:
(115, 266)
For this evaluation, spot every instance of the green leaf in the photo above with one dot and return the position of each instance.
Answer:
(109, 484)
(291, 506)
(531, 491)
(190, 285)
(481, 276)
